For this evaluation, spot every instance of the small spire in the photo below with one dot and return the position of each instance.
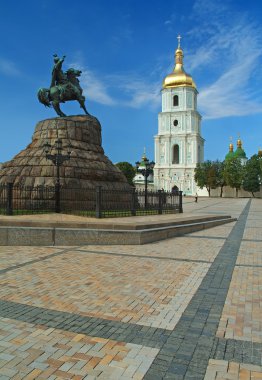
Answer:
(239, 142)
(179, 40)
(178, 56)
(144, 154)
(231, 146)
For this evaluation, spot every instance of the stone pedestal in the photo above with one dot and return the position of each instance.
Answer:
(87, 168)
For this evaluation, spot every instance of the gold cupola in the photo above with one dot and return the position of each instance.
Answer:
(240, 153)
(239, 143)
(178, 78)
(230, 153)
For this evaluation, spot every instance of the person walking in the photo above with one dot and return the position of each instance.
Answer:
(196, 196)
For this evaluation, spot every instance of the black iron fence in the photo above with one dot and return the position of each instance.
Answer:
(97, 202)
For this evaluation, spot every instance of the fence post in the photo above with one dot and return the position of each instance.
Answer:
(160, 201)
(98, 201)
(133, 200)
(180, 202)
(9, 206)
(57, 198)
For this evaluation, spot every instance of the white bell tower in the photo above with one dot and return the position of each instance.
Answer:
(178, 144)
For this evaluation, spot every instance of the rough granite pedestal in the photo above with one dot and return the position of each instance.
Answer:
(87, 168)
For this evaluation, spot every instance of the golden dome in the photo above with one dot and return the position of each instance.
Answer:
(231, 147)
(239, 143)
(178, 78)
(259, 152)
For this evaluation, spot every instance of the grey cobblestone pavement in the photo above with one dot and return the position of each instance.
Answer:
(184, 308)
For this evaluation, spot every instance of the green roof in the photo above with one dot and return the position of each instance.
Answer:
(240, 153)
(229, 155)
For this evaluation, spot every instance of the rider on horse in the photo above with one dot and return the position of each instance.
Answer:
(59, 78)
(64, 86)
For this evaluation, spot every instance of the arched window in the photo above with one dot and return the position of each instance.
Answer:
(175, 100)
(174, 189)
(175, 155)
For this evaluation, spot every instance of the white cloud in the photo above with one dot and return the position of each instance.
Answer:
(136, 93)
(94, 88)
(230, 54)
(225, 58)
(8, 67)
(228, 96)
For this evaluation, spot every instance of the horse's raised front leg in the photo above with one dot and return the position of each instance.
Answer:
(57, 108)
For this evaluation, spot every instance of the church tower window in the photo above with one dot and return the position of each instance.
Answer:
(175, 123)
(175, 156)
(175, 100)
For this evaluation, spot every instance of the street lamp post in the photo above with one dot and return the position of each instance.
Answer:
(57, 158)
(145, 168)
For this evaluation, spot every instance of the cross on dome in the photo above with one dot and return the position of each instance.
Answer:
(179, 40)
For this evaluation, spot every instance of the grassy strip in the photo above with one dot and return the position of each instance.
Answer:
(88, 213)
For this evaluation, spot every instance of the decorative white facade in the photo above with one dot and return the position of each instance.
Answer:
(178, 144)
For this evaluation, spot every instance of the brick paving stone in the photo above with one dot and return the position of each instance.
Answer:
(89, 312)
(250, 253)
(187, 248)
(102, 356)
(80, 290)
(242, 314)
(11, 257)
(207, 301)
(221, 369)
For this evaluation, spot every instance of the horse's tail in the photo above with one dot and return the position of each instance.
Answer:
(43, 96)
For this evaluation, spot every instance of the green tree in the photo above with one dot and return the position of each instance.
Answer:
(252, 175)
(220, 178)
(128, 170)
(233, 173)
(205, 175)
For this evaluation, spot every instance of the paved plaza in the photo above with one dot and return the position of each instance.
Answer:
(189, 307)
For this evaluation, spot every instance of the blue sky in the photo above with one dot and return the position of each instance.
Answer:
(125, 48)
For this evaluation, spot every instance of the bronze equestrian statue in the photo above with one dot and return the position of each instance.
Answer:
(64, 86)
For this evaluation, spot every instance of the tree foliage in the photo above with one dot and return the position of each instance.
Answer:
(220, 178)
(233, 173)
(128, 170)
(205, 175)
(252, 175)
(213, 174)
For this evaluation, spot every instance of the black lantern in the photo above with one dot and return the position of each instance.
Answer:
(145, 168)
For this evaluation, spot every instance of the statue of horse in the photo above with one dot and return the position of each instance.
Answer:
(61, 93)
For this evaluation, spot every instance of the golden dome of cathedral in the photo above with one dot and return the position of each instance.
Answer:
(178, 78)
